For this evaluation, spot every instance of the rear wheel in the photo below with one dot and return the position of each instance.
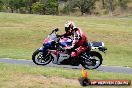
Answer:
(91, 60)
(40, 59)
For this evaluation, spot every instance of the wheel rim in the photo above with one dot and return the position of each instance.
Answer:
(42, 60)
(95, 62)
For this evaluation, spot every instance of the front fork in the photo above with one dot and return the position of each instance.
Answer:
(43, 50)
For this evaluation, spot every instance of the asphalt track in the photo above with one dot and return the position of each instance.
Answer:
(115, 69)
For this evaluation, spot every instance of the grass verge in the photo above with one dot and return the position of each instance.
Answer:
(24, 76)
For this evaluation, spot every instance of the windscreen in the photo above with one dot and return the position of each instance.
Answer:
(52, 36)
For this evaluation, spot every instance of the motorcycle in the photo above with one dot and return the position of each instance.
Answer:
(53, 51)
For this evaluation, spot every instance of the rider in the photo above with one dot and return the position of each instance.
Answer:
(80, 40)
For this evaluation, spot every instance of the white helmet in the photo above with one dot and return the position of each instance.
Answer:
(69, 25)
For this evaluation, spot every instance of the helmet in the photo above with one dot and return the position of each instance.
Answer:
(69, 25)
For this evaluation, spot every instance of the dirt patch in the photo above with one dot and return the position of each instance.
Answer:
(20, 80)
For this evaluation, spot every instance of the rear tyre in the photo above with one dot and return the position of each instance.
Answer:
(93, 61)
(40, 59)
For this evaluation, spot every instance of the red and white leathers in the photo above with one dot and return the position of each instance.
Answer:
(79, 42)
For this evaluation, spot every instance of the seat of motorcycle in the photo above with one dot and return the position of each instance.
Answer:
(97, 44)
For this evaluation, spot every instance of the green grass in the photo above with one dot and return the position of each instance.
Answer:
(60, 72)
(25, 76)
(22, 34)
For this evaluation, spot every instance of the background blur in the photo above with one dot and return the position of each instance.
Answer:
(68, 7)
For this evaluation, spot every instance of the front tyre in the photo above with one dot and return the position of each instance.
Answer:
(92, 60)
(40, 59)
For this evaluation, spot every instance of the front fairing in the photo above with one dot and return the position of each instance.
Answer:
(50, 38)
(46, 46)
(46, 40)
(65, 42)
(41, 48)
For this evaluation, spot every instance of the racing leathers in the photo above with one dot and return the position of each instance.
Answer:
(79, 43)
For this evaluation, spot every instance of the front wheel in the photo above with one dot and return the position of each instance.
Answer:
(91, 60)
(40, 59)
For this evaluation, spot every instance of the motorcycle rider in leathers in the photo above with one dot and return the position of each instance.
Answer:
(80, 40)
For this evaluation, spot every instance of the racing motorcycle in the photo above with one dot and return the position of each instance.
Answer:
(53, 51)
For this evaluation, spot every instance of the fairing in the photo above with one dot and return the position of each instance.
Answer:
(65, 42)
